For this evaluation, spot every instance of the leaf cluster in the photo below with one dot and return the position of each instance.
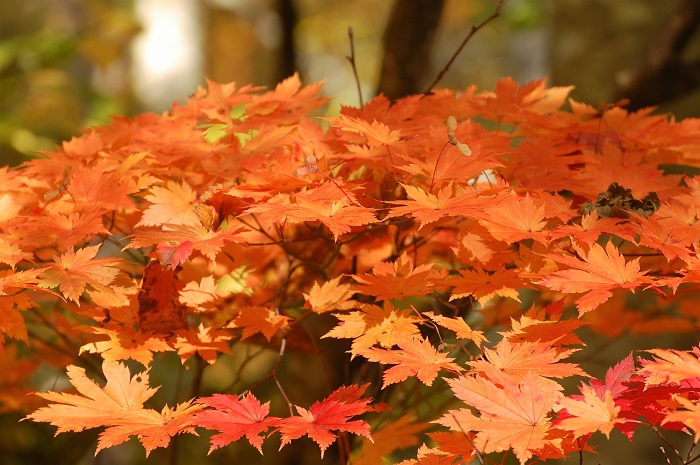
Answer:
(457, 239)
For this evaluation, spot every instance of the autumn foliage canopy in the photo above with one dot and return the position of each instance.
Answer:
(458, 241)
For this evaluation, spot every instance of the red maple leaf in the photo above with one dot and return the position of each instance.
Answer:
(235, 418)
(332, 413)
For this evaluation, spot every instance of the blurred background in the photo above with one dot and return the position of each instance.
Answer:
(69, 64)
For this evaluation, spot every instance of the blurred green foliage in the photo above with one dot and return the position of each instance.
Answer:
(55, 63)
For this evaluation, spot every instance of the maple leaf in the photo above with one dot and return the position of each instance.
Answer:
(103, 185)
(460, 327)
(518, 360)
(428, 208)
(95, 406)
(671, 366)
(160, 310)
(512, 414)
(400, 279)
(126, 344)
(175, 243)
(172, 204)
(338, 212)
(73, 271)
(592, 227)
(235, 418)
(65, 230)
(517, 220)
(10, 281)
(373, 324)
(329, 296)
(454, 444)
(11, 322)
(11, 253)
(597, 273)
(260, 320)
(118, 406)
(153, 429)
(552, 332)
(207, 342)
(588, 414)
(484, 285)
(416, 357)
(332, 413)
(202, 295)
(689, 418)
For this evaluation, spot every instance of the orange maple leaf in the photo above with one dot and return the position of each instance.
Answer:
(11, 253)
(11, 281)
(65, 230)
(590, 413)
(689, 417)
(460, 327)
(415, 357)
(552, 332)
(400, 279)
(11, 322)
(671, 366)
(72, 271)
(202, 295)
(101, 184)
(517, 220)
(333, 413)
(428, 208)
(597, 273)
(175, 243)
(126, 343)
(517, 360)
(512, 414)
(484, 285)
(373, 324)
(592, 227)
(260, 320)
(172, 204)
(454, 445)
(207, 342)
(337, 209)
(118, 406)
(329, 296)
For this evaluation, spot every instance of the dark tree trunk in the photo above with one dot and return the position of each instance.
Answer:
(664, 75)
(408, 41)
(287, 61)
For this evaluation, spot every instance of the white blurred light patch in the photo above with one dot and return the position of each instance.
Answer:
(167, 58)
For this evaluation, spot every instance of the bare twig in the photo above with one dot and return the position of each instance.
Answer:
(351, 59)
(496, 13)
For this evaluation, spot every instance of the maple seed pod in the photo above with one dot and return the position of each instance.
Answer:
(451, 128)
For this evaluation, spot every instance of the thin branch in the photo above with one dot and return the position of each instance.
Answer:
(673, 448)
(496, 13)
(351, 59)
